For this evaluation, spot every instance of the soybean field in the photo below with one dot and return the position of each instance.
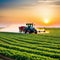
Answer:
(17, 46)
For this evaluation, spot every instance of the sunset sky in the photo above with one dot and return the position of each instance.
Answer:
(39, 12)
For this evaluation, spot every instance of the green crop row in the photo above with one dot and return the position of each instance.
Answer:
(31, 46)
(22, 44)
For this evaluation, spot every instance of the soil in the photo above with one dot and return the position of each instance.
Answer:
(5, 58)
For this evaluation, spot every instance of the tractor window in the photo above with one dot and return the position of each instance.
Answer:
(29, 25)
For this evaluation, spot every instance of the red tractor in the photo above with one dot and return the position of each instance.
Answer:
(28, 28)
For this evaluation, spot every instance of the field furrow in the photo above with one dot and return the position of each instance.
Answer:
(30, 46)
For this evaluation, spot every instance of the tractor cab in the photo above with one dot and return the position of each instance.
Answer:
(29, 24)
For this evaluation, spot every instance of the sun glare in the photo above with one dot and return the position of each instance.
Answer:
(46, 21)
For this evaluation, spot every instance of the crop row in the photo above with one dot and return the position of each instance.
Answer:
(26, 47)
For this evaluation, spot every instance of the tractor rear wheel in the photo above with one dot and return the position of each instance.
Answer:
(27, 32)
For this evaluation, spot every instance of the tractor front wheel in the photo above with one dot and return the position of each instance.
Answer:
(35, 31)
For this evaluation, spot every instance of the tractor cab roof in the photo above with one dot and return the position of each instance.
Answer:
(29, 24)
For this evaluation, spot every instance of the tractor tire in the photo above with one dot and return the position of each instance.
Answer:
(27, 32)
(35, 32)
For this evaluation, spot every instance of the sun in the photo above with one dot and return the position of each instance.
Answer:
(46, 21)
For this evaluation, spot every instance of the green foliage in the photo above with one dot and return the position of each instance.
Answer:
(31, 46)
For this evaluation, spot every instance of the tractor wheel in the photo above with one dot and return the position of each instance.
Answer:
(27, 32)
(35, 31)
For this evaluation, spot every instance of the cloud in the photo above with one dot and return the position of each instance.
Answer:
(57, 2)
(26, 3)
(50, 2)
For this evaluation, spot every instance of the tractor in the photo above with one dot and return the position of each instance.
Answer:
(28, 29)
